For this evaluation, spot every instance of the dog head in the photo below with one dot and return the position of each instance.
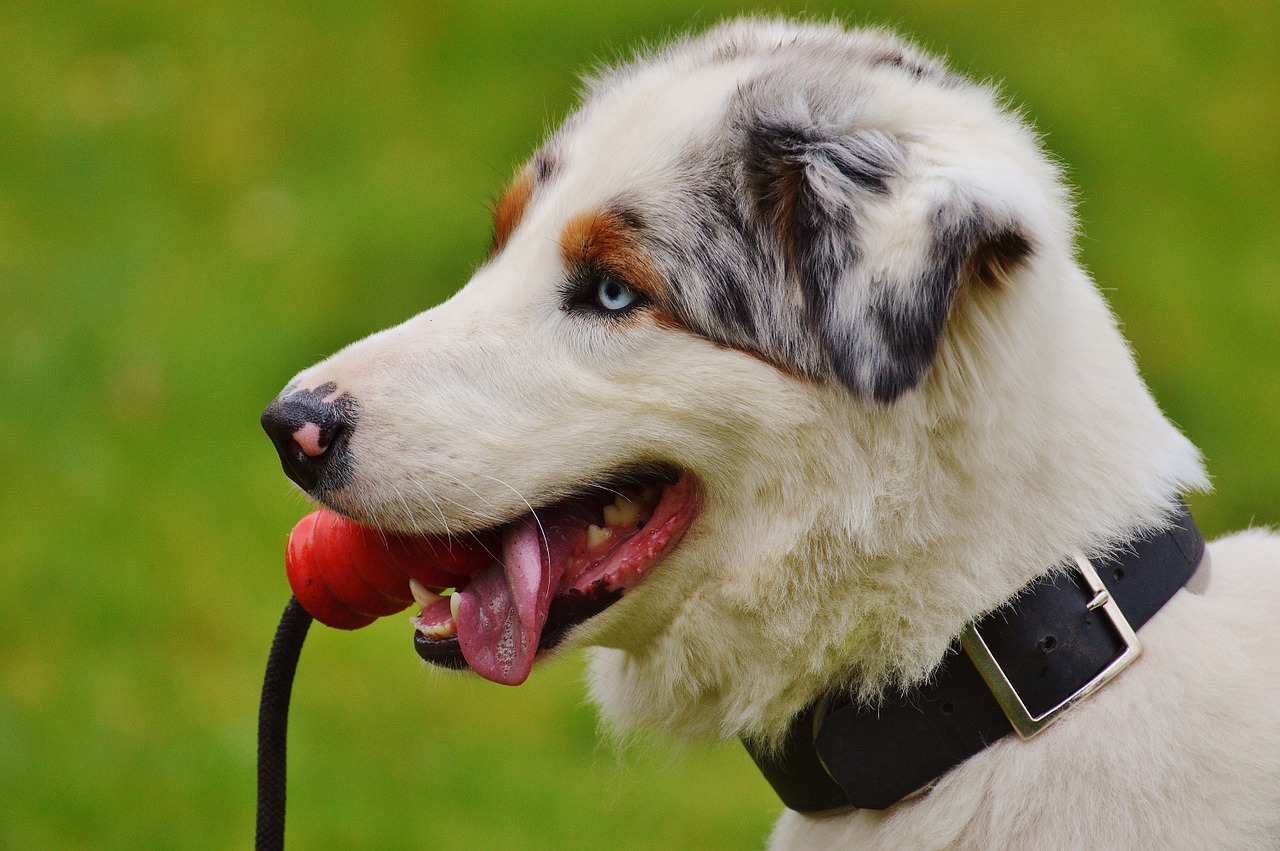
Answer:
(808, 300)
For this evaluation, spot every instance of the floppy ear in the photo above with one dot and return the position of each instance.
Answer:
(878, 247)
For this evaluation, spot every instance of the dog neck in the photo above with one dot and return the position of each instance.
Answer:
(1019, 669)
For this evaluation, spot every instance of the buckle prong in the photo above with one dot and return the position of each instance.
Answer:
(1024, 723)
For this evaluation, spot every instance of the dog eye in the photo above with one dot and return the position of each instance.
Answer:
(613, 295)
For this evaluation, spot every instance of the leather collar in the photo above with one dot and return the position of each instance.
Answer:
(1049, 642)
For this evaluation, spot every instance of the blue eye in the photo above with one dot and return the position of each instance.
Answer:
(614, 295)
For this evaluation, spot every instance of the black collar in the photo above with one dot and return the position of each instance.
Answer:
(1054, 640)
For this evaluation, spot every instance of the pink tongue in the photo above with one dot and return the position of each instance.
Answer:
(504, 607)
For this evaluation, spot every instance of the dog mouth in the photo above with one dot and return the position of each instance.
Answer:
(550, 570)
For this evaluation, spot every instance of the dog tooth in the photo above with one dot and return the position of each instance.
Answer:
(623, 512)
(438, 630)
(597, 536)
(455, 601)
(422, 594)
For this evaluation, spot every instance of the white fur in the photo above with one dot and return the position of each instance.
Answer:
(846, 541)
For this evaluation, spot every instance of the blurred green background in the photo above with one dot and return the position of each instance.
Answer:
(196, 200)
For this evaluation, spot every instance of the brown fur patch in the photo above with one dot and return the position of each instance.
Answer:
(996, 259)
(605, 241)
(510, 208)
(786, 198)
(663, 319)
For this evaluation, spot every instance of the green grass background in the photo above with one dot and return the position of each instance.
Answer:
(196, 200)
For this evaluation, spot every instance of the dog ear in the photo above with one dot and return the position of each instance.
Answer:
(878, 247)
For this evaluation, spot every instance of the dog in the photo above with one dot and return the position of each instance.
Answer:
(781, 382)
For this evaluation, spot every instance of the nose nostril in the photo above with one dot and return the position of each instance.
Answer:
(308, 439)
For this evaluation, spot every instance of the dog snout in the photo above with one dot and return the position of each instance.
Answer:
(310, 430)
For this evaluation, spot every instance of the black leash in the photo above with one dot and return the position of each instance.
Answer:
(273, 724)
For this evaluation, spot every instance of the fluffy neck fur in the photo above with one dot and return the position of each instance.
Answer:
(853, 541)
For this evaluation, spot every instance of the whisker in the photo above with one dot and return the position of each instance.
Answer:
(546, 544)
(444, 521)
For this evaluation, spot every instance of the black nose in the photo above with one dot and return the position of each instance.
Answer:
(310, 430)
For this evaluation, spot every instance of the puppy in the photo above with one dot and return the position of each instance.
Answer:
(782, 387)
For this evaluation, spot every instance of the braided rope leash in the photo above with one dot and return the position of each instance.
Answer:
(273, 724)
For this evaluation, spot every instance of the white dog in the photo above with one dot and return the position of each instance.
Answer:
(782, 375)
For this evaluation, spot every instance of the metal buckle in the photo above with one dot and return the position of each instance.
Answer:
(1024, 723)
